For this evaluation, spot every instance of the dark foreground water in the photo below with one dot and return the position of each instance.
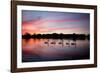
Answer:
(35, 50)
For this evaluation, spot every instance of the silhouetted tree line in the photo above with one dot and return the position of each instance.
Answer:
(57, 36)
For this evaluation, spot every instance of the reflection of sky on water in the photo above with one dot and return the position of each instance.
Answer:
(51, 50)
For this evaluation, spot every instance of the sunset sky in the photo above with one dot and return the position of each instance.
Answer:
(45, 22)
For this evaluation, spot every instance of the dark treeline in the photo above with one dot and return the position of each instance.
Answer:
(57, 36)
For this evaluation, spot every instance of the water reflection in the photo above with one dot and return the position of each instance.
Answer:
(54, 49)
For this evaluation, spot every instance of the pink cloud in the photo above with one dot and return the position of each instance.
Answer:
(37, 26)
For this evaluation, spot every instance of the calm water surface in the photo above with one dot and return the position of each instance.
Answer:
(35, 50)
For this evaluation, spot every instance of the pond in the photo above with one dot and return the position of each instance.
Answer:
(36, 50)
